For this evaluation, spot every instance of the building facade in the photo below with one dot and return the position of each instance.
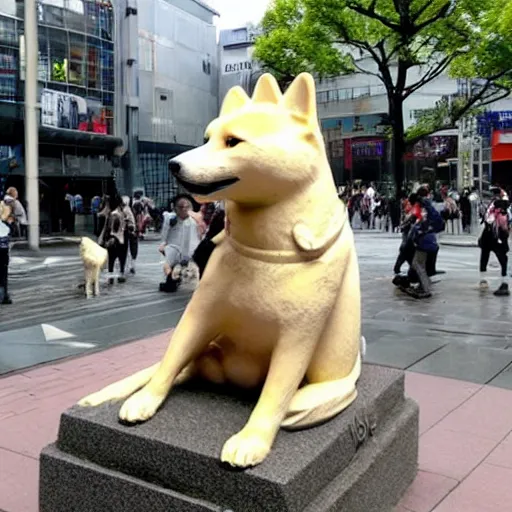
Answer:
(178, 84)
(76, 93)
(353, 113)
(237, 66)
(122, 87)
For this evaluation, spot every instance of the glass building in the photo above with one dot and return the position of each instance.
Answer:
(76, 91)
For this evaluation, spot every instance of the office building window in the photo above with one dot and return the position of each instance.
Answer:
(8, 31)
(51, 12)
(8, 74)
(59, 55)
(93, 62)
(107, 66)
(74, 15)
(76, 59)
(43, 64)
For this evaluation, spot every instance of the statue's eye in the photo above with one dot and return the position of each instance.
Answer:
(231, 142)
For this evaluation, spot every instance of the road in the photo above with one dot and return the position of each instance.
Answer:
(457, 333)
(45, 293)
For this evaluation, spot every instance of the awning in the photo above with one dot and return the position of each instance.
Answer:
(501, 146)
(62, 136)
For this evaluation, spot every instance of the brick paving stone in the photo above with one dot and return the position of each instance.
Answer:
(487, 489)
(427, 490)
(438, 396)
(18, 482)
(502, 454)
(452, 454)
(487, 414)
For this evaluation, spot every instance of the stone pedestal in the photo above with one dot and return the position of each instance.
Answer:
(361, 461)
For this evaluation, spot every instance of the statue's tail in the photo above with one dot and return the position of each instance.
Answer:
(319, 402)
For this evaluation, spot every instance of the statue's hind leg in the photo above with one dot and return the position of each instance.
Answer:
(336, 364)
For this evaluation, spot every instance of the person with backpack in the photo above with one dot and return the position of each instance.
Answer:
(494, 238)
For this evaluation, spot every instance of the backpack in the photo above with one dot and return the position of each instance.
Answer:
(496, 220)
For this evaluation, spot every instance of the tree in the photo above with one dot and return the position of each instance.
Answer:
(436, 36)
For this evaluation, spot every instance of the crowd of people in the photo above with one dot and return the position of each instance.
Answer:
(185, 239)
(420, 222)
(187, 231)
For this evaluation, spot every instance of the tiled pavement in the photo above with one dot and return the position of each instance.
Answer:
(465, 428)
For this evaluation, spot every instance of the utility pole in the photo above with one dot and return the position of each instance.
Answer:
(31, 125)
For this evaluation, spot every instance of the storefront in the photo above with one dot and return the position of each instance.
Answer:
(356, 147)
(77, 146)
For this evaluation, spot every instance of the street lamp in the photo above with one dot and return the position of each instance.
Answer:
(31, 125)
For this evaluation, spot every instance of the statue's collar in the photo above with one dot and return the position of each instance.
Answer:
(282, 256)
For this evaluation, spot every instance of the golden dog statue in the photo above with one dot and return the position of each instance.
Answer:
(279, 304)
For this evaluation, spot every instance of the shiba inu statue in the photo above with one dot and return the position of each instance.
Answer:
(278, 306)
(94, 258)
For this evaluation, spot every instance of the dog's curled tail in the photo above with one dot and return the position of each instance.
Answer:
(315, 403)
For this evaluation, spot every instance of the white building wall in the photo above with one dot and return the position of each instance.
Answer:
(178, 81)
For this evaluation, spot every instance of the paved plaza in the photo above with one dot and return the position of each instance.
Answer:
(455, 348)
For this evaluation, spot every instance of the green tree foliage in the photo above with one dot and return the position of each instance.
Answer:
(326, 37)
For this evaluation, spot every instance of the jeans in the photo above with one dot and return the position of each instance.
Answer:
(419, 264)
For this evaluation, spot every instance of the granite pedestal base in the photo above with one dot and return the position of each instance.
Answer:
(361, 461)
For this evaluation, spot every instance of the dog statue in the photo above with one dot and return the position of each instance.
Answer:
(278, 307)
(94, 258)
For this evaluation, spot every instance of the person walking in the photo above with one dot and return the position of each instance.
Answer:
(6, 219)
(494, 238)
(114, 237)
(423, 234)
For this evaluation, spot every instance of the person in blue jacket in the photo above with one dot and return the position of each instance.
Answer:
(423, 236)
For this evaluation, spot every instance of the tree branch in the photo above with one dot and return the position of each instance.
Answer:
(370, 13)
(421, 10)
(441, 14)
(433, 73)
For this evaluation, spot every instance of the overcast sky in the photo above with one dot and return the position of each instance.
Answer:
(233, 15)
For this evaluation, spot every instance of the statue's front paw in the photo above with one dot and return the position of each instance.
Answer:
(245, 449)
(140, 407)
(93, 400)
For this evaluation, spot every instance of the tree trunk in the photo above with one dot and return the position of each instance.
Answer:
(398, 145)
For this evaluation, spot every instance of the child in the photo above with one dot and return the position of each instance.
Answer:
(6, 216)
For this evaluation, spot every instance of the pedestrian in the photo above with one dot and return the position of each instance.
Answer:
(114, 237)
(423, 236)
(132, 237)
(95, 208)
(205, 248)
(180, 238)
(494, 238)
(69, 211)
(6, 219)
(20, 221)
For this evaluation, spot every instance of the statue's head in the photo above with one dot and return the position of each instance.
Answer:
(259, 149)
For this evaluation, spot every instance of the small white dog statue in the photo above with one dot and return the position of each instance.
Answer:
(94, 258)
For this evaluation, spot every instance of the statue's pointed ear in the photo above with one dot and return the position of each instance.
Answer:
(235, 99)
(301, 97)
(266, 90)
